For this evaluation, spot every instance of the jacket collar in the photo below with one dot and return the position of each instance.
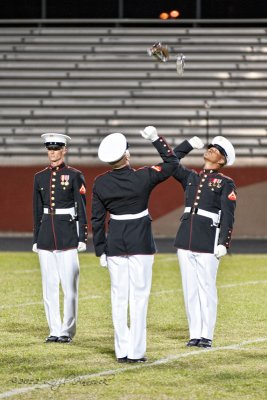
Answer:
(209, 171)
(126, 168)
(57, 168)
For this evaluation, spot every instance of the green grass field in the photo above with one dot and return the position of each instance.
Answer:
(235, 368)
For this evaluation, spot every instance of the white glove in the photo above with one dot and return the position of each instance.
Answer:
(220, 251)
(34, 248)
(81, 247)
(196, 142)
(150, 133)
(103, 261)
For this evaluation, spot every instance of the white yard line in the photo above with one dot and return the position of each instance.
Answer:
(30, 303)
(34, 303)
(174, 357)
(158, 293)
(229, 285)
(26, 271)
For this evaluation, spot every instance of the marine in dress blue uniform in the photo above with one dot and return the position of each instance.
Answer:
(204, 235)
(60, 230)
(128, 246)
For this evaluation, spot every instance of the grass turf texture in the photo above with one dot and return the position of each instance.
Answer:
(86, 369)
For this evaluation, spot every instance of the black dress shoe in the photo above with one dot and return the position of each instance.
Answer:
(206, 343)
(64, 339)
(51, 339)
(193, 342)
(122, 359)
(137, 360)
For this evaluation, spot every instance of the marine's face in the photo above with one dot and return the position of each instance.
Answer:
(214, 156)
(56, 154)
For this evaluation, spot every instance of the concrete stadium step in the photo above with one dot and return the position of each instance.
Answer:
(134, 75)
(90, 148)
(96, 130)
(109, 66)
(139, 102)
(45, 93)
(114, 84)
(125, 57)
(231, 31)
(204, 94)
(136, 112)
(141, 31)
(231, 126)
(133, 139)
(133, 48)
(170, 40)
(184, 132)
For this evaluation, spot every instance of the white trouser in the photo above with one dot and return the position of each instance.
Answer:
(60, 267)
(199, 271)
(131, 278)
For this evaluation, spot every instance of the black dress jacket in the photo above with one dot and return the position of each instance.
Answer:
(210, 191)
(126, 191)
(59, 188)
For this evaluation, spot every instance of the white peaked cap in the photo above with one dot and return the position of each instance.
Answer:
(112, 148)
(227, 147)
(53, 138)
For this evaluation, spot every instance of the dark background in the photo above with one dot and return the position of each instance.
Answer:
(132, 8)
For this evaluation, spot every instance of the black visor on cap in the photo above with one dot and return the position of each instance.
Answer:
(54, 148)
(54, 145)
(218, 147)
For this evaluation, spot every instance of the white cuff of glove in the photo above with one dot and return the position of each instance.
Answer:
(34, 248)
(220, 251)
(150, 133)
(81, 247)
(196, 142)
(103, 261)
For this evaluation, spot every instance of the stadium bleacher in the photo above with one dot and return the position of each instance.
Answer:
(88, 82)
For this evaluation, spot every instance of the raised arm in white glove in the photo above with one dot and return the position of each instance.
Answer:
(150, 133)
(220, 251)
(103, 261)
(81, 247)
(34, 248)
(196, 142)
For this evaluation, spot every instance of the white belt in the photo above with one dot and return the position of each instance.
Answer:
(129, 216)
(215, 217)
(70, 211)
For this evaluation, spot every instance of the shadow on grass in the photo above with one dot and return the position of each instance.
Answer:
(169, 331)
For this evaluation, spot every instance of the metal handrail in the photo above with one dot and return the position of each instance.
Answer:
(136, 21)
